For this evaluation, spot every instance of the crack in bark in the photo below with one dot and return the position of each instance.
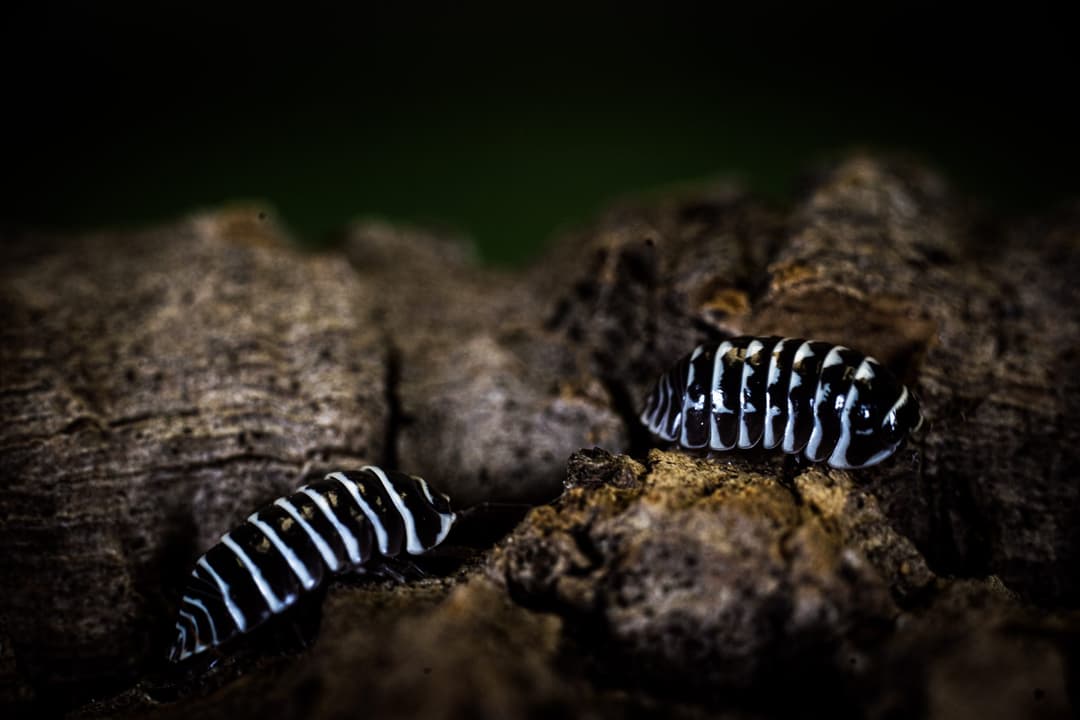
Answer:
(392, 398)
(624, 406)
(166, 413)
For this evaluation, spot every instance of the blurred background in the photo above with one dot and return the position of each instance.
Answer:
(509, 126)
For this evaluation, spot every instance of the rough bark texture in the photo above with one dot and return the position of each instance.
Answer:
(981, 318)
(487, 400)
(157, 386)
(695, 578)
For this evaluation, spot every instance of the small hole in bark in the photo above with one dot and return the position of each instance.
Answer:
(585, 290)
(934, 255)
(562, 309)
(638, 266)
(308, 691)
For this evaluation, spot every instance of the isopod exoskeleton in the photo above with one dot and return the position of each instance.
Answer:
(294, 545)
(831, 403)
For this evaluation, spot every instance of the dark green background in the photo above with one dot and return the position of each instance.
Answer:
(510, 126)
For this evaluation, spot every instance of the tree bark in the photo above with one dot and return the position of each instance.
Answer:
(158, 386)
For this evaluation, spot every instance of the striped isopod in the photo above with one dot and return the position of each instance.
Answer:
(293, 545)
(827, 401)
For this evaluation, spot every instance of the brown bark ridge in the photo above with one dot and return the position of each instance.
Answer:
(486, 399)
(157, 386)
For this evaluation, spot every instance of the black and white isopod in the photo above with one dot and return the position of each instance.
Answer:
(831, 403)
(292, 546)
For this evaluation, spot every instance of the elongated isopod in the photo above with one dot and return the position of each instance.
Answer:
(294, 545)
(826, 401)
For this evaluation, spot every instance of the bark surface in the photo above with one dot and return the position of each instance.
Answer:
(158, 386)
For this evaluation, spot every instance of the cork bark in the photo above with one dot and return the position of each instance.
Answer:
(159, 385)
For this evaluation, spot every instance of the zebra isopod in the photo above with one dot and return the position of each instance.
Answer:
(827, 401)
(293, 545)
